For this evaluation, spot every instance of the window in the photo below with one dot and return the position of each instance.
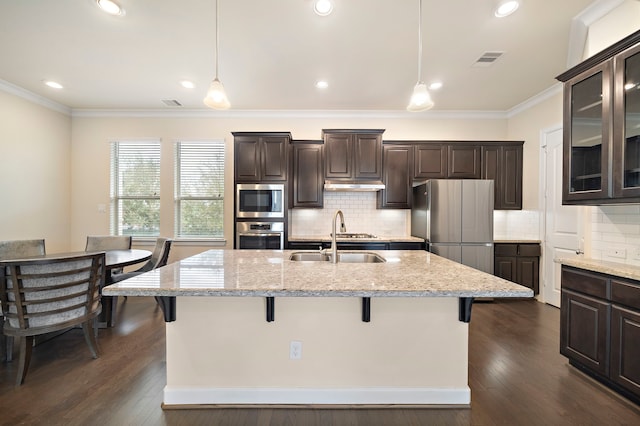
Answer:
(135, 188)
(199, 189)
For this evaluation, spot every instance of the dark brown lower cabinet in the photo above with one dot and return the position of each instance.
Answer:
(585, 331)
(518, 262)
(368, 245)
(625, 348)
(600, 328)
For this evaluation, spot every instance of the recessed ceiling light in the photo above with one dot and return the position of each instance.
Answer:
(506, 8)
(323, 7)
(322, 84)
(53, 84)
(435, 85)
(187, 84)
(111, 7)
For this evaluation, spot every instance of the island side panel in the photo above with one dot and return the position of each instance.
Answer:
(222, 351)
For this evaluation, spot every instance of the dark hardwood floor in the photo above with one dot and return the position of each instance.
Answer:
(516, 375)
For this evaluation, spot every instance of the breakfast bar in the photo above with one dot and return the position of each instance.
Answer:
(255, 327)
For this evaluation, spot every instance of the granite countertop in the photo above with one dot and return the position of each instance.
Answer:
(267, 273)
(611, 268)
(326, 237)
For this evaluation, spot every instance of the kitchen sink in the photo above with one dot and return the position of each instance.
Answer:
(310, 257)
(343, 257)
(360, 258)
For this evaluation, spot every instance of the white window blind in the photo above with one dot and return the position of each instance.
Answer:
(199, 189)
(135, 188)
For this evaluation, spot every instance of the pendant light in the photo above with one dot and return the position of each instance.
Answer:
(420, 99)
(216, 97)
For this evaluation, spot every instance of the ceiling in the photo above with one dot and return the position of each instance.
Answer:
(272, 52)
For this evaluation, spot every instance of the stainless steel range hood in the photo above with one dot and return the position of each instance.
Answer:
(345, 186)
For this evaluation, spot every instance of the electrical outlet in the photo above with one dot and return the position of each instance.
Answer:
(636, 253)
(618, 253)
(295, 350)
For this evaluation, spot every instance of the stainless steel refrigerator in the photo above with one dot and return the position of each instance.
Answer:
(455, 217)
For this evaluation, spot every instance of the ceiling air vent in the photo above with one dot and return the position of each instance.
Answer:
(487, 59)
(171, 102)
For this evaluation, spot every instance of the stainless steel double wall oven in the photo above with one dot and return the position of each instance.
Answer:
(260, 211)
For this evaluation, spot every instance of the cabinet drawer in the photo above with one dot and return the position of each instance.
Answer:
(505, 249)
(626, 293)
(508, 249)
(584, 282)
(528, 249)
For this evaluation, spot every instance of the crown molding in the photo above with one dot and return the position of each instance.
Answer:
(580, 24)
(7, 87)
(535, 100)
(340, 114)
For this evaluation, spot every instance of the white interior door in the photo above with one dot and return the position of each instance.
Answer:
(562, 224)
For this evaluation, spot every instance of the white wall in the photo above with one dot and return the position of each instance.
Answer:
(35, 149)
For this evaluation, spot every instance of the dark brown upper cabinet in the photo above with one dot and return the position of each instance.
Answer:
(502, 162)
(397, 172)
(430, 161)
(626, 131)
(261, 156)
(601, 146)
(353, 154)
(308, 174)
(464, 161)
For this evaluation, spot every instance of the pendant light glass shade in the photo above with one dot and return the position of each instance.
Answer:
(420, 99)
(216, 96)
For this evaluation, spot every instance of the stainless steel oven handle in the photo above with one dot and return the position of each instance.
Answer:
(264, 234)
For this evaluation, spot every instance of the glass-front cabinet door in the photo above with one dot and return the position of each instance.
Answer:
(626, 136)
(587, 127)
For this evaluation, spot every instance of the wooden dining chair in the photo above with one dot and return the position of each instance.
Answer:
(15, 249)
(108, 242)
(41, 296)
(159, 257)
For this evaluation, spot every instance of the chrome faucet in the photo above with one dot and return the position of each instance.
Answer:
(334, 245)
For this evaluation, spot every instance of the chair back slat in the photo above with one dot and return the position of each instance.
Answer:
(49, 293)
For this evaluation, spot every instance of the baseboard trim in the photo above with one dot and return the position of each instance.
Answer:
(179, 397)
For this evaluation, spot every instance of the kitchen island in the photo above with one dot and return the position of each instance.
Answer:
(253, 327)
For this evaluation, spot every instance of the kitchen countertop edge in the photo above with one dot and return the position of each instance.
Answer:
(270, 273)
(610, 268)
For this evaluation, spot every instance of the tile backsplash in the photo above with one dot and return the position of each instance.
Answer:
(361, 215)
(615, 233)
(516, 225)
